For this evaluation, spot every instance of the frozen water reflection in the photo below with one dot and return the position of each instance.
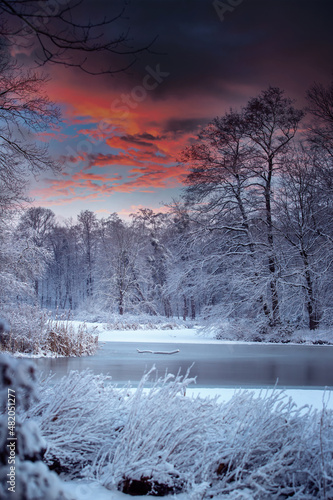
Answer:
(225, 365)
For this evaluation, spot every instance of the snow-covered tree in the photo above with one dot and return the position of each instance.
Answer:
(23, 475)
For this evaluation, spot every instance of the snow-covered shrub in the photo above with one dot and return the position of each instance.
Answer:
(273, 448)
(145, 322)
(33, 331)
(263, 445)
(140, 453)
(28, 328)
(245, 331)
(91, 316)
(22, 475)
(268, 333)
(77, 416)
(232, 329)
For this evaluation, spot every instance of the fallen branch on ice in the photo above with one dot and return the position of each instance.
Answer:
(159, 352)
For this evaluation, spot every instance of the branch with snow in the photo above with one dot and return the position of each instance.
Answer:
(158, 352)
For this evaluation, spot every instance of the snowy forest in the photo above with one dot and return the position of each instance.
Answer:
(250, 238)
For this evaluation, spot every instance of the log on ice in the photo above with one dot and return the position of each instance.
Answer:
(158, 352)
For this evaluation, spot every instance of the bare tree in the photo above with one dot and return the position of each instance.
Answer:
(220, 170)
(24, 111)
(220, 189)
(300, 213)
(55, 32)
(271, 123)
(39, 222)
(320, 105)
(231, 182)
(60, 32)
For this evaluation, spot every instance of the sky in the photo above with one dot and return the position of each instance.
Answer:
(121, 136)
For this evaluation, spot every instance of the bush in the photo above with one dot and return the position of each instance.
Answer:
(66, 340)
(28, 329)
(32, 331)
(77, 416)
(145, 322)
(245, 331)
(261, 444)
(32, 480)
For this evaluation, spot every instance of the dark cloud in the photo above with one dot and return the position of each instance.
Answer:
(143, 139)
(148, 137)
(135, 140)
(183, 126)
(287, 43)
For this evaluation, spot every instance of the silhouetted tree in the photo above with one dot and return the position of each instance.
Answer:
(24, 111)
(61, 32)
(320, 105)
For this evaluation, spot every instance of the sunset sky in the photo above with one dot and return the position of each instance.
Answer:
(121, 135)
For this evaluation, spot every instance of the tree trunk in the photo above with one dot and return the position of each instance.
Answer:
(192, 308)
(185, 308)
(121, 303)
(275, 319)
(311, 302)
(167, 308)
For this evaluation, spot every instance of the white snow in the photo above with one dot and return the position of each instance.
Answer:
(85, 490)
(88, 489)
(193, 335)
(179, 336)
(143, 426)
(302, 397)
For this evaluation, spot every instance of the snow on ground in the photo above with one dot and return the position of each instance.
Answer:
(193, 335)
(85, 490)
(179, 336)
(184, 335)
(301, 397)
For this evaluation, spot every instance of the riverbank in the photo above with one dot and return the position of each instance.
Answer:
(197, 334)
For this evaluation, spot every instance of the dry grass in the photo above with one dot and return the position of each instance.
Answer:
(32, 331)
(65, 340)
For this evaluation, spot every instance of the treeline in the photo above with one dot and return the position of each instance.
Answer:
(250, 238)
(104, 264)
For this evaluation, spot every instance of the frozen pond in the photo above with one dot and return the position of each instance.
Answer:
(225, 365)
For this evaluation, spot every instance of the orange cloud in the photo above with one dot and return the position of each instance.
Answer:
(89, 176)
(144, 147)
(47, 136)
